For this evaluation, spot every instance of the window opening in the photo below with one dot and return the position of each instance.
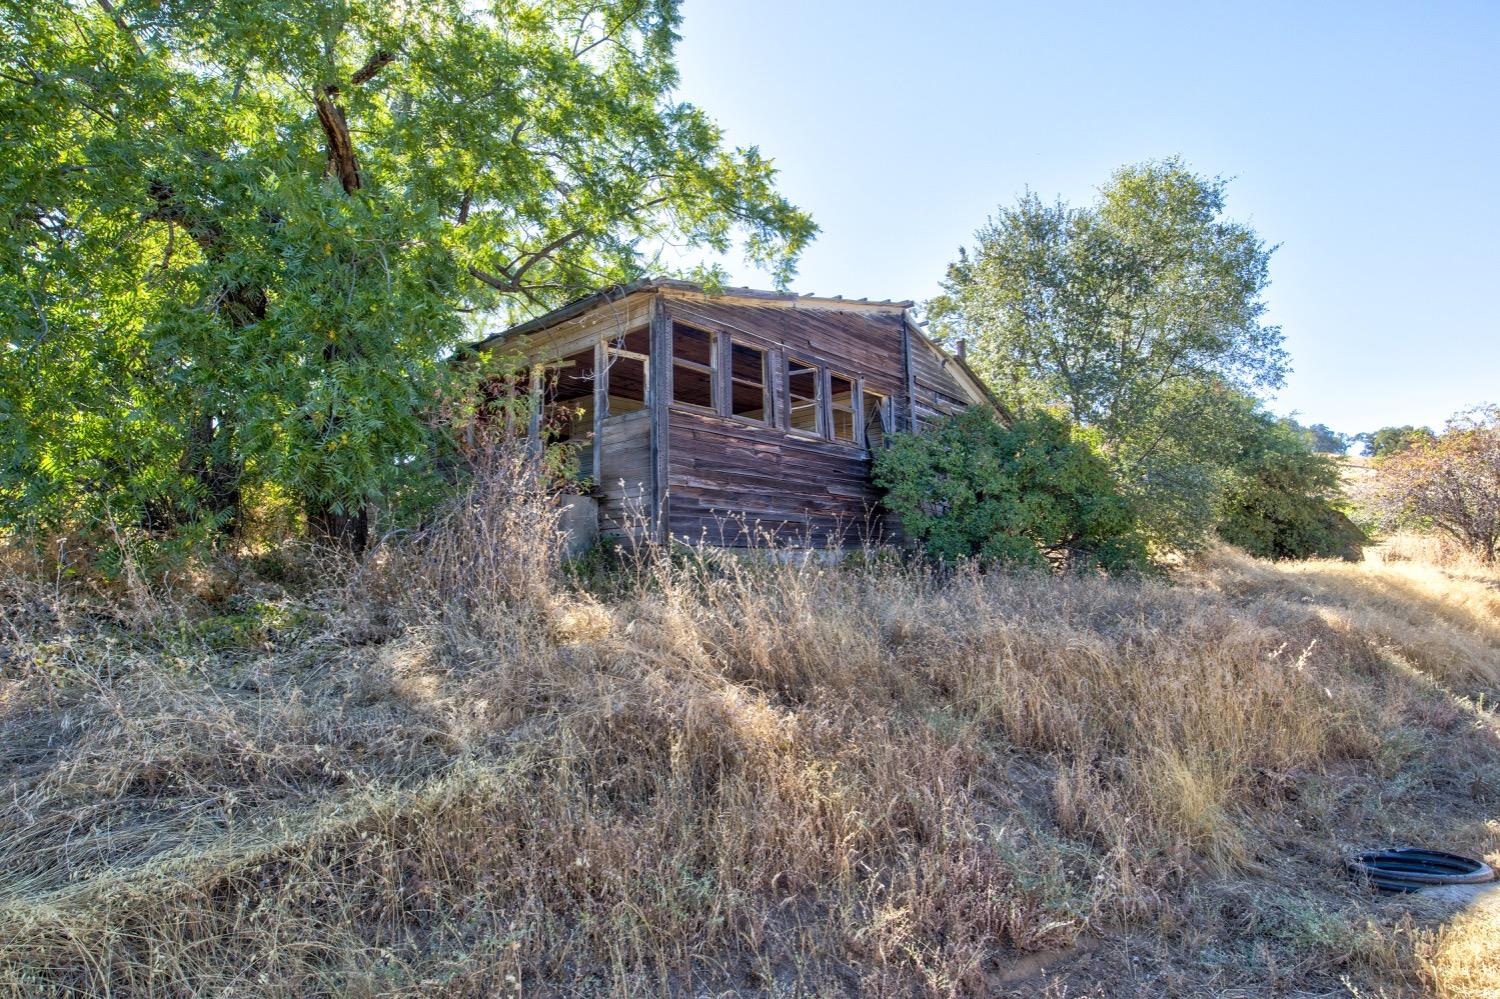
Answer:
(694, 371)
(841, 408)
(568, 413)
(629, 365)
(804, 389)
(877, 419)
(750, 388)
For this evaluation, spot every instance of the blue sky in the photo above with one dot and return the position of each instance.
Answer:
(1363, 138)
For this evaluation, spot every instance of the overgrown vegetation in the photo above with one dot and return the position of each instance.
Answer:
(1388, 440)
(1031, 494)
(238, 240)
(448, 773)
(239, 245)
(1284, 501)
(1139, 316)
(1035, 493)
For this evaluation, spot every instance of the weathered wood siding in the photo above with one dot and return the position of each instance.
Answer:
(729, 479)
(729, 482)
(612, 320)
(624, 489)
(935, 384)
(859, 344)
(724, 479)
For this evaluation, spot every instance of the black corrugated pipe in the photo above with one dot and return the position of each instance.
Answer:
(1410, 869)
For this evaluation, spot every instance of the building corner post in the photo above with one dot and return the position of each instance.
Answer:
(659, 389)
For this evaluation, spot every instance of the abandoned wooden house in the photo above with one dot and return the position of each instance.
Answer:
(731, 417)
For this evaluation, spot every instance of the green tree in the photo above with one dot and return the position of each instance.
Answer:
(1388, 440)
(240, 236)
(1134, 315)
(1032, 494)
(1284, 499)
(1321, 438)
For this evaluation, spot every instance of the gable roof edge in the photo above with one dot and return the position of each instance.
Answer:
(980, 392)
(572, 310)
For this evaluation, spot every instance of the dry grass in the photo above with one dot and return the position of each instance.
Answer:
(459, 776)
(1414, 597)
(1460, 957)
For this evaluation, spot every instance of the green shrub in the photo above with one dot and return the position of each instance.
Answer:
(1284, 501)
(1033, 494)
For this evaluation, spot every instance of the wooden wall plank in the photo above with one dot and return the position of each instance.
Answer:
(729, 478)
(610, 319)
(938, 385)
(866, 344)
(693, 472)
(909, 379)
(601, 401)
(624, 455)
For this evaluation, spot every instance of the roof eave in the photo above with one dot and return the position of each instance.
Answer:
(1005, 412)
(577, 307)
(619, 292)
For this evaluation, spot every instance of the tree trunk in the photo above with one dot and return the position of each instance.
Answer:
(209, 455)
(212, 455)
(348, 532)
(212, 460)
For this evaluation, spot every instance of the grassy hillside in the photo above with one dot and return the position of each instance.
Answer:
(450, 776)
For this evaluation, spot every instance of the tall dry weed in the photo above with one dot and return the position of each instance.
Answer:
(492, 547)
(761, 774)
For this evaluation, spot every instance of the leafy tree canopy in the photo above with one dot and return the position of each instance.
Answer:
(1388, 440)
(240, 236)
(1320, 438)
(1284, 500)
(1033, 494)
(1135, 316)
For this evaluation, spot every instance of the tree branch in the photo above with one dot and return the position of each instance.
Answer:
(505, 284)
(114, 15)
(372, 66)
(341, 160)
(609, 33)
(512, 287)
(533, 258)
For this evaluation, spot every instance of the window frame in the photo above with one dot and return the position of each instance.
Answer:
(820, 395)
(883, 408)
(779, 365)
(614, 349)
(711, 369)
(769, 404)
(852, 408)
